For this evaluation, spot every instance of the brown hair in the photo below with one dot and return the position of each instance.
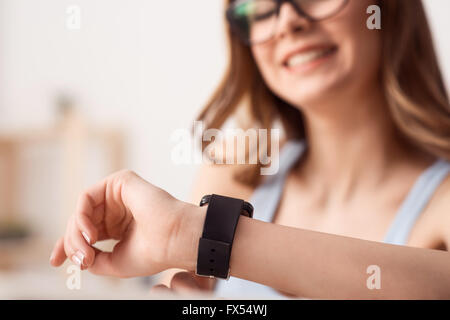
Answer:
(411, 80)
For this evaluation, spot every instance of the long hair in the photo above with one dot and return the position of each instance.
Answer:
(411, 80)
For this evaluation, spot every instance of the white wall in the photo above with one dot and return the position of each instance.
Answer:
(438, 12)
(146, 65)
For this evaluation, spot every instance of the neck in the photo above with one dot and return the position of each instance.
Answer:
(352, 144)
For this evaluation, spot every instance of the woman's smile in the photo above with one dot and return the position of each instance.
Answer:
(308, 58)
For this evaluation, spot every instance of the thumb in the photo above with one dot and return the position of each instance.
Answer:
(113, 263)
(184, 282)
(103, 265)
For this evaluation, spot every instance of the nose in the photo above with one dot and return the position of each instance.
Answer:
(290, 21)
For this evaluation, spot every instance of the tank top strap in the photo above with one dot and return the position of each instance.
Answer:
(416, 201)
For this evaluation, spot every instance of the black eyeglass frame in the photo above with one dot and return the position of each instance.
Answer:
(296, 6)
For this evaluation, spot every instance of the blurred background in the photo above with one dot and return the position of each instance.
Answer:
(88, 87)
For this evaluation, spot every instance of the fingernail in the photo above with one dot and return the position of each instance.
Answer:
(86, 237)
(78, 258)
(52, 256)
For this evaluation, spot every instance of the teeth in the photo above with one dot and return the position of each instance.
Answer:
(305, 57)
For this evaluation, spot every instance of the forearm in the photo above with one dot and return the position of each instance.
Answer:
(318, 265)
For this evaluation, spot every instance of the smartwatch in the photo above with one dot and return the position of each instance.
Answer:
(214, 249)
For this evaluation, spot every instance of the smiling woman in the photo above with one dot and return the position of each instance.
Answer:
(363, 182)
(400, 59)
(351, 95)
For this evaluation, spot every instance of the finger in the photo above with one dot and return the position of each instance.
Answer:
(204, 283)
(86, 225)
(184, 282)
(124, 261)
(115, 263)
(75, 247)
(160, 288)
(90, 210)
(58, 255)
(103, 265)
(83, 254)
(68, 248)
(96, 194)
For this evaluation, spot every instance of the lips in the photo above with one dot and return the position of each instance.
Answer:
(306, 55)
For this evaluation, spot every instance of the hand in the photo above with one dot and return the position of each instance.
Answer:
(155, 231)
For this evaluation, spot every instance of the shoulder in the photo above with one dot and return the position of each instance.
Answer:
(440, 202)
(219, 179)
(439, 209)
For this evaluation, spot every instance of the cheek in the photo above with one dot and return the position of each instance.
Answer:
(361, 55)
(273, 74)
(264, 57)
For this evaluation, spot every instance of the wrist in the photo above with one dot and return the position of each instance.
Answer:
(186, 237)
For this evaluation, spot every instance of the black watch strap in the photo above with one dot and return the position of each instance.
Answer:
(214, 250)
(247, 208)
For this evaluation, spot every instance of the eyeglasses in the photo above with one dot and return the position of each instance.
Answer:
(255, 21)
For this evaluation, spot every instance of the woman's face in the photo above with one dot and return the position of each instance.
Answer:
(307, 63)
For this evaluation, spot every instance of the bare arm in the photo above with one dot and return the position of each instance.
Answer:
(157, 232)
(318, 265)
(328, 266)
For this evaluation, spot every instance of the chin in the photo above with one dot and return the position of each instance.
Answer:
(307, 93)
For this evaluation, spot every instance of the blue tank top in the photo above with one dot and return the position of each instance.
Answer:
(266, 197)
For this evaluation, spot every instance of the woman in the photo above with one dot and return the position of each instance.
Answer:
(367, 122)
